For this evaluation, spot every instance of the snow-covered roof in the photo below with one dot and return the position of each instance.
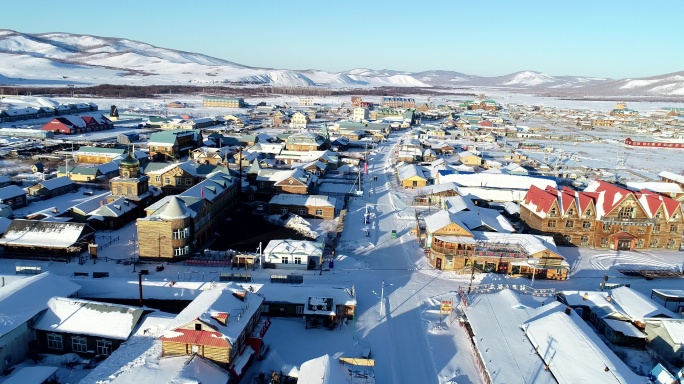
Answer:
(44, 234)
(322, 369)
(289, 247)
(92, 318)
(11, 191)
(625, 327)
(213, 301)
(637, 306)
(507, 355)
(498, 181)
(300, 293)
(25, 298)
(31, 375)
(175, 209)
(303, 200)
(574, 352)
(56, 183)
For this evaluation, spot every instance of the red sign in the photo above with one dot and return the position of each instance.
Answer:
(446, 307)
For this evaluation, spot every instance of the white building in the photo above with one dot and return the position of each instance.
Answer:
(294, 254)
(361, 114)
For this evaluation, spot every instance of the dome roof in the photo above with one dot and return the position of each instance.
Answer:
(175, 210)
(129, 161)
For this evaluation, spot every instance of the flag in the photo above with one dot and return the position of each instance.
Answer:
(202, 192)
(365, 168)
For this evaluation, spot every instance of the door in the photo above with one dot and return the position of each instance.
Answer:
(438, 263)
(624, 245)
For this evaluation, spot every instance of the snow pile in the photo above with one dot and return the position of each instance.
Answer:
(294, 222)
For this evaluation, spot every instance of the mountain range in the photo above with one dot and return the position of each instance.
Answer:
(64, 59)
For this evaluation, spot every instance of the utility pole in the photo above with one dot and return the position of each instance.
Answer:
(382, 298)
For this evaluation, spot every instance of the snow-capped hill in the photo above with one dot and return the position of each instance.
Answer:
(62, 59)
(529, 79)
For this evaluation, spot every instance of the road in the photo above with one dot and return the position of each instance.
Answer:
(396, 334)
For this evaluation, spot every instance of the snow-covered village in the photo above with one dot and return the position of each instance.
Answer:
(249, 225)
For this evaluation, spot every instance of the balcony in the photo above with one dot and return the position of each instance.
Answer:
(627, 221)
(450, 251)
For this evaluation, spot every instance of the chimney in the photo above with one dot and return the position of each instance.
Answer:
(101, 203)
(585, 296)
(568, 310)
(608, 298)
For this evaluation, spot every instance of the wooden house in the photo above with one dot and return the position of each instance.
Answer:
(173, 144)
(33, 238)
(221, 325)
(14, 196)
(293, 254)
(172, 178)
(305, 141)
(97, 155)
(84, 327)
(289, 300)
(310, 206)
(177, 225)
(53, 187)
(23, 301)
(412, 176)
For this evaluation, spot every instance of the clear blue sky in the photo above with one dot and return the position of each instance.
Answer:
(600, 38)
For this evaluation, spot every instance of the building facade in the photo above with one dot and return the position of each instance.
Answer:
(605, 216)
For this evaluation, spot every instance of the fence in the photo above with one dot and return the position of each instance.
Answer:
(235, 277)
(465, 293)
(107, 244)
(208, 263)
(287, 279)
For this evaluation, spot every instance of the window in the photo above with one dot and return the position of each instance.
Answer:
(606, 227)
(284, 260)
(188, 181)
(673, 229)
(319, 212)
(129, 190)
(584, 240)
(604, 242)
(79, 344)
(157, 178)
(104, 347)
(552, 224)
(641, 230)
(568, 239)
(640, 243)
(119, 190)
(301, 211)
(656, 228)
(571, 212)
(283, 210)
(181, 233)
(569, 224)
(167, 180)
(264, 308)
(552, 212)
(657, 216)
(654, 243)
(586, 225)
(299, 309)
(297, 260)
(181, 251)
(626, 213)
(198, 327)
(670, 244)
(54, 341)
(588, 213)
